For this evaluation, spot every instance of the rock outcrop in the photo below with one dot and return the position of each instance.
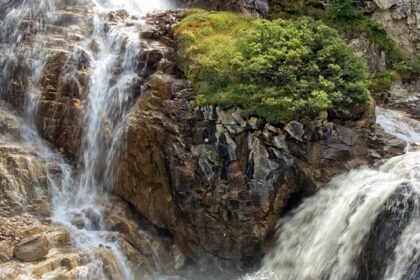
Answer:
(210, 183)
(401, 19)
(31, 245)
(396, 213)
(219, 182)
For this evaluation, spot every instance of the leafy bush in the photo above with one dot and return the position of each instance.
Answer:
(345, 12)
(279, 70)
(350, 19)
(409, 69)
(346, 17)
(296, 8)
(382, 80)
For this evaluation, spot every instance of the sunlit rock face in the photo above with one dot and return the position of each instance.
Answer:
(50, 59)
(401, 20)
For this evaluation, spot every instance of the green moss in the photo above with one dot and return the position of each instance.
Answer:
(279, 70)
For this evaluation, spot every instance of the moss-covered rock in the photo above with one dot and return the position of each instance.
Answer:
(280, 70)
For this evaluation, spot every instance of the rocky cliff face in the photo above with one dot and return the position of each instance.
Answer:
(31, 246)
(401, 19)
(219, 182)
(215, 181)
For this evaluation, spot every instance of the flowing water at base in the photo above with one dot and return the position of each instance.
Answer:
(335, 234)
(324, 238)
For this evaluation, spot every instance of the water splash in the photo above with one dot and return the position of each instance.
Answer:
(326, 236)
(135, 7)
(399, 125)
(112, 51)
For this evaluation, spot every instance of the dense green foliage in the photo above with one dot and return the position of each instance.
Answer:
(279, 70)
(345, 16)
(382, 80)
(350, 19)
(296, 8)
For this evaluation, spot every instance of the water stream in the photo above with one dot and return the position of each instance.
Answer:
(330, 234)
(112, 53)
(324, 238)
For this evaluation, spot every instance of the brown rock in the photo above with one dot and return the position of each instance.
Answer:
(6, 251)
(32, 249)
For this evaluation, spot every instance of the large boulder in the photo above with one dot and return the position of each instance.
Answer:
(32, 249)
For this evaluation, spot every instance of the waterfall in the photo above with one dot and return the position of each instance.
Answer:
(362, 225)
(112, 52)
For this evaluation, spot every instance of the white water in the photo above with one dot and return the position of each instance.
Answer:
(135, 7)
(110, 94)
(324, 237)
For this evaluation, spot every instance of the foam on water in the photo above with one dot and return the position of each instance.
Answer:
(114, 77)
(325, 235)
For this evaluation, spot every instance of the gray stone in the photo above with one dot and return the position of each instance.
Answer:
(295, 130)
(385, 4)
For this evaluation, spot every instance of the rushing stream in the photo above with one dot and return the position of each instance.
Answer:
(363, 225)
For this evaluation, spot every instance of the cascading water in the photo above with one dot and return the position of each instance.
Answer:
(363, 225)
(112, 52)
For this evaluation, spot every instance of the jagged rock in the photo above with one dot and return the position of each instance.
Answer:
(295, 130)
(32, 249)
(401, 20)
(376, 59)
(395, 214)
(404, 97)
(386, 4)
(111, 267)
(179, 257)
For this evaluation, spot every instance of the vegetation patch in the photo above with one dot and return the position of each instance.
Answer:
(280, 70)
(352, 21)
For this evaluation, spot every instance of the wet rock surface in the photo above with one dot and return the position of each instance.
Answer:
(219, 182)
(401, 20)
(197, 184)
(32, 249)
(32, 246)
(402, 96)
(396, 213)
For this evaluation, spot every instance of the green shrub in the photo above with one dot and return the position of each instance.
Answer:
(279, 70)
(382, 80)
(296, 8)
(409, 69)
(345, 13)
